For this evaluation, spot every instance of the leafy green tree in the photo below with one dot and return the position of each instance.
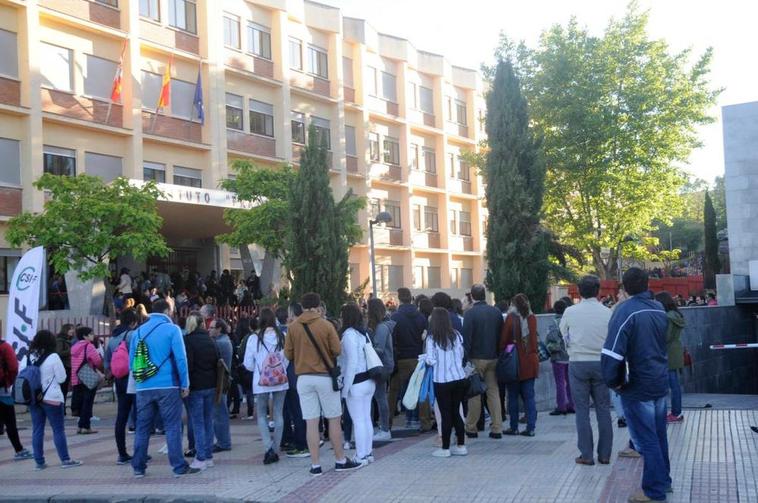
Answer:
(320, 231)
(712, 265)
(718, 197)
(517, 246)
(617, 113)
(86, 223)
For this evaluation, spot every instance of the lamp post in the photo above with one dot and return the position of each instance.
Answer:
(381, 217)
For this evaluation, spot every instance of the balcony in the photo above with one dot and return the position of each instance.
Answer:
(297, 154)
(429, 120)
(310, 83)
(349, 94)
(384, 106)
(249, 63)
(459, 186)
(388, 236)
(423, 178)
(171, 127)
(10, 91)
(461, 243)
(351, 163)
(80, 107)
(182, 40)
(250, 143)
(10, 202)
(463, 130)
(426, 240)
(387, 172)
(91, 11)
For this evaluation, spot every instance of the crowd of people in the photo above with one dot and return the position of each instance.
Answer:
(308, 377)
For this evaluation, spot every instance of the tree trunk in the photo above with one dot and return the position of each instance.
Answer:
(267, 274)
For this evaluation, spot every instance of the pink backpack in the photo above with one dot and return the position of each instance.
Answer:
(120, 360)
(272, 371)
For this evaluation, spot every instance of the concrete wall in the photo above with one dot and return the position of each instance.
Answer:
(713, 371)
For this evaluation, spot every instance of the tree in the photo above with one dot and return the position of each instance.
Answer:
(320, 232)
(517, 247)
(718, 198)
(617, 113)
(712, 264)
(86, 223)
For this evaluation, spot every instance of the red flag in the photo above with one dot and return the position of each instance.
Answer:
(116, 88)
(165, 97)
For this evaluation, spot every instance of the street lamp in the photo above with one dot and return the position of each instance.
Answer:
(381, 217)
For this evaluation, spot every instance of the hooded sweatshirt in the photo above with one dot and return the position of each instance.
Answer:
(166, 348)
(674, 339)
(77, 358)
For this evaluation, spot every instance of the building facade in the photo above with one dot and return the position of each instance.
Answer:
(398, 121)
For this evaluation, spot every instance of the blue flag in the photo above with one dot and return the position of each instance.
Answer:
(198, 100)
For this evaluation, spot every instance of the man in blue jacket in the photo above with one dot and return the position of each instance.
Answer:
(634, 363)
(162, 391)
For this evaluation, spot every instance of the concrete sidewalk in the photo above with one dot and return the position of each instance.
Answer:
(713, 454)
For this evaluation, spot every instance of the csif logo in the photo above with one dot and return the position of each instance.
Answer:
(26, 278)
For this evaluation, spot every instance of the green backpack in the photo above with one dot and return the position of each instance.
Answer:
(143, 367)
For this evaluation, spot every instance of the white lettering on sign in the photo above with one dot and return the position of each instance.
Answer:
(205, 197)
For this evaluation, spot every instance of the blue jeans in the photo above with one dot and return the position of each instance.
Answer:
(261, 405)
(676, 393)
(41, 412)
(525, 389)
(200, 405)
(647, 427)
(221, 424)
(168, 404)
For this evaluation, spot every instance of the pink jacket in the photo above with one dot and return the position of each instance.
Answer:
(77, 358)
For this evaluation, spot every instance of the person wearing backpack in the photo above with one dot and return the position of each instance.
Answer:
(264, 357)
(8, 373)
(559, 359)
(50, 374)
(380, 328)
(116, 363)
(84, 353)
(201, 364)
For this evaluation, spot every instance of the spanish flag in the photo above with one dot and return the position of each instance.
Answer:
(164, 99)
(116, 88)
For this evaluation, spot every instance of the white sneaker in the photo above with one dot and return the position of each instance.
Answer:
(164, 449)
(248, 418)
(209, 463)
(441, 453)
(94, 418)
(382, 436)
(458, 450)
(347, 446)
(198, 465)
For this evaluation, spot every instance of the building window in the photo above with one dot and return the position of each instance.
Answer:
(10, 169)
(259, 41)
(8, 54)
(261, 118)
(426, 98)
(318, 62)
(322, 131)
(296, 54)
(7, 268)
(154, 171)
(460, 112)
(389, 87)
(464, 171)
(98, 77)
(231, 31)
(234, 112)
(347, 72)
(433, 277)
(389, 277)
(182, 98)
(149, 9)
(414, 156)
(107, 167)
(182, 15)
(430, 161)
(373, 147)
(59, 161)
(465, 223)
(298, 128)
(151, 89)
(373, 81)
(350, 146)
(188, 177)
(431, 221)
(393, 208)
(56, 72)
(375, 206)
(391, 151)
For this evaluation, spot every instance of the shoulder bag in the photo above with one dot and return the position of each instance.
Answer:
(507, 364)
(88, 375)
(334, 371)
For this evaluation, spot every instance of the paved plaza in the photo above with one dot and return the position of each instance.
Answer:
(714, 458)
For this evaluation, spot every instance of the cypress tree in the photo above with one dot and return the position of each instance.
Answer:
(320, 231)
(712, 263)
(517, 246)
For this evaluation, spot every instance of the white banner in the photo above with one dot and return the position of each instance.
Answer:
(23, 303)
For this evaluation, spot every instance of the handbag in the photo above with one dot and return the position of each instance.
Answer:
(476, 385)
(374, 365)
(88, 375)
(413, 390)
(507, 366)
(427, 387)
(334, 371)
(542, 353)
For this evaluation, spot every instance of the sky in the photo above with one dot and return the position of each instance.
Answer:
(466, 32)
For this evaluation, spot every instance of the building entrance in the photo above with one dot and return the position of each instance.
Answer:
(177, 260)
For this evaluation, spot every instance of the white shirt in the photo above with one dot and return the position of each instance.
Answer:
(52, 374)
(255, 355)
(584, 327)
(125, 284)
(352, 359)
(447, 363)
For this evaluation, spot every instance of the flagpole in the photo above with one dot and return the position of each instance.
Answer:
(108, 115)
(119, 73)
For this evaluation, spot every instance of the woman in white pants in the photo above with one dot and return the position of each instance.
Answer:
(359, 387)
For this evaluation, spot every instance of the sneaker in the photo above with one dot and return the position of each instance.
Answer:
(218, 448)
(348, 465)
(123, 460)
(441, 453)
(370, 458)
(316, 471)
(527, 433)
(522, 419)
(298, 453)
(470, 434)
(139, 475)
(639, 497)
(248, 418)
(71, 463)
(132, 431)
(186, 471)
(159, 432)
(510, 431)
(270, 457)
(22, 455)
(671, 418)
(39, 468)
(347, 446)
(94, 418)
(321, 442)
(190, 453)
(629, 453)
(496, 436)
(85, 431)
(458, 450)
(209, 463)
(621, 423)
(233, 416)
(164, 449)
(557, 412)
(382, 436)
(198, 465)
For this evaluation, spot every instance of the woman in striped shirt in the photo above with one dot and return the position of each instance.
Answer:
(444, 352)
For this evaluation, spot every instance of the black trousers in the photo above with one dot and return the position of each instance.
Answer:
(8, 419)
(449, 397)
(125, 403)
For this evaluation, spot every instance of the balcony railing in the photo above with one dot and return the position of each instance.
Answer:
(429, 120)
(388, 236)
(163, 35)
(171, 127)
(351, 163)
(249, 63)
(250, 143)
(91, 11)
(310, 83)
(349, 94)
(10, 91)
(10, 201)
(80, 107)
